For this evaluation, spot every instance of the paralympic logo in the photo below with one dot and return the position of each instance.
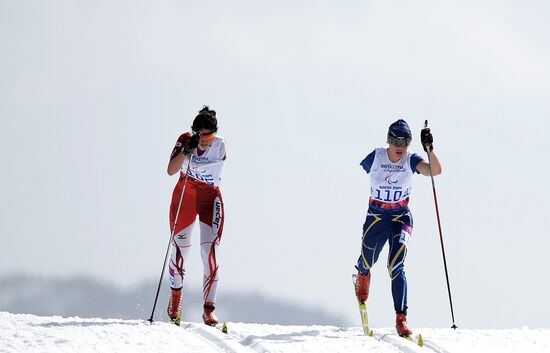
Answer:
(389, 180)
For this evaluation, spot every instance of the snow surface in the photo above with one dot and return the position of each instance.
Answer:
(29, 333)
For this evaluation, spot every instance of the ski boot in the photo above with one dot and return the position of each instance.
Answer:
(362, 287)
(174, 306)
(401, 326)
(208, 316)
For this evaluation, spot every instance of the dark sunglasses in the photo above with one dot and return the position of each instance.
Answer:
(399, 141)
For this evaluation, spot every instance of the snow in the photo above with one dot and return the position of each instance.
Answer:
(29, 333)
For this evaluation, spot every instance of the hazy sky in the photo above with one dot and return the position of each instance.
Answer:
(93, 95)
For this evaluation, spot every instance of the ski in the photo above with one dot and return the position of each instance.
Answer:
(365, 319)
(420, 340)
(176, 321)
(394, 338)
(220, 326)
(416, 339)
(363, 312)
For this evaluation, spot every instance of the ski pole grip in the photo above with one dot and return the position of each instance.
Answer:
(425, 126)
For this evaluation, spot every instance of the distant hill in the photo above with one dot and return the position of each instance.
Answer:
(91, 298)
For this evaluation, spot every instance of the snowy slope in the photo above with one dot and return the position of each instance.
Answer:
(29, 333)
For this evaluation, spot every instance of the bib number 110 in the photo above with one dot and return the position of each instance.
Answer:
(388, 195)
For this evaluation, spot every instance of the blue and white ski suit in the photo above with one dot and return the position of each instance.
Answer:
(389, 218)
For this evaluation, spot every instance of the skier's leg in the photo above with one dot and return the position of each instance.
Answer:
(396, 261)
(210, 242)
(188, 208)
(181, 243)
(211, 216)
(181, 239)
(371, 244)
(396, 268)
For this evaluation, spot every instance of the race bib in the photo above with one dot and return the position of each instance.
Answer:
(404, 237)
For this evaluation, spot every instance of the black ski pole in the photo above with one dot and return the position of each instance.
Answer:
(441, 235)
(171, 237)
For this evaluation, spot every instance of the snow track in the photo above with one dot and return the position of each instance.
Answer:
(305, 339)
(30, 333)
(401, 344)
(434, 347)
(217, 339)
(259, 338)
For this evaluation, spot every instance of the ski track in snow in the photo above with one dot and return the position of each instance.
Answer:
(319, 339)
(29, 333)
(400, 344)
(221, 341)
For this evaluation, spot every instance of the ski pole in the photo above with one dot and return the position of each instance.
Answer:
(440, 234)
(171, 237)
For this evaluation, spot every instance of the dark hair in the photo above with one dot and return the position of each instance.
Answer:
(205, 120)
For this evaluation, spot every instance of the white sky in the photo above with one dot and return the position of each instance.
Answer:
(94, 94)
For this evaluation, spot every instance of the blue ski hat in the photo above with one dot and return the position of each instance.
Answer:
(400, 129)
(399, 134)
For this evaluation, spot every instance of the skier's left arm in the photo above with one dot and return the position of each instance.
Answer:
(423, 167)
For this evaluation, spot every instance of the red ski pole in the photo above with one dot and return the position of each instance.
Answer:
(440, 235)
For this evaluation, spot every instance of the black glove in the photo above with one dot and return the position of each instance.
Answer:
(191, 144)
(426, 139)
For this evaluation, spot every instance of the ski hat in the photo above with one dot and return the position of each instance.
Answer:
(206, 119)
(399, 133)
(400, 129)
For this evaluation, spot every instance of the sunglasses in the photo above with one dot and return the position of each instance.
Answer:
(399, 141)
(207, 137)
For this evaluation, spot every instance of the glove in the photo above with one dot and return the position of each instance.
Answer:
(426, 139)
(190, 144)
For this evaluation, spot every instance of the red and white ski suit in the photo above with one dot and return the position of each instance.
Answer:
(201, 197)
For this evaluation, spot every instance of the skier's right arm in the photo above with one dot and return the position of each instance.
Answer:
(178, 155)
(367, 162)
(175, 163)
